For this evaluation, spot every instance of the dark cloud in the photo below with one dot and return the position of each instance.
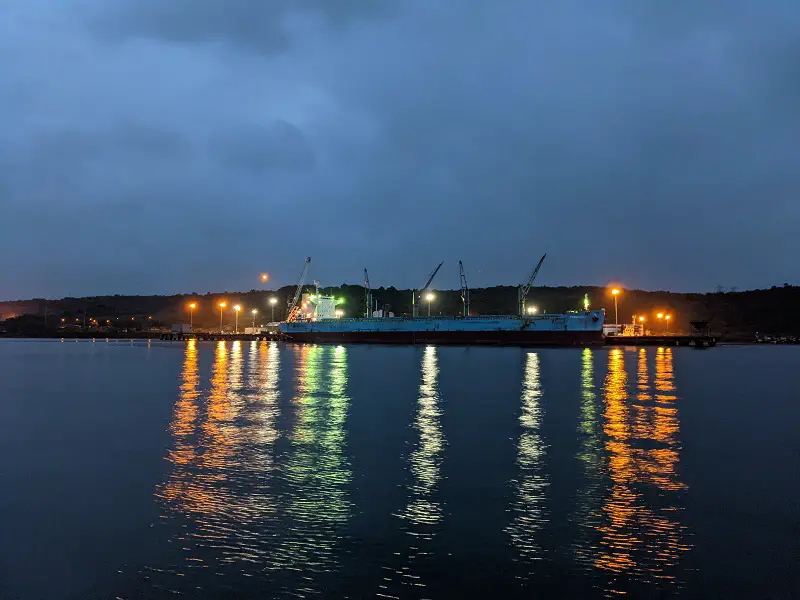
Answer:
(260, 25)
(648, 142)
(279, 146)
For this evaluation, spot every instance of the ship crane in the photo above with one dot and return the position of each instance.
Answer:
(367, 296)
(294, 309)
(414, 309)
(464, 288)
(523, 290)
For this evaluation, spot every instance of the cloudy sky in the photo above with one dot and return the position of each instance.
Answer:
(160, 146)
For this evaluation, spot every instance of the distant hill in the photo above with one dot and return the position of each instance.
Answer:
(737, 314)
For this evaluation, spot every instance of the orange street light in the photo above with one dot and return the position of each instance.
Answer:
(237, 308)
(668, 317)
(222, 305)
(255, 312)
(616, 292)
(660, 315)
(192, 306)
(273, 301)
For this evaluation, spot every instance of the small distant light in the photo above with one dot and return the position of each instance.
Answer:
(254, 311)
(641, 319)
(237, 308)
(429, 297)
(615, 291)
(660, 315)
(265, 277)
(273, 300)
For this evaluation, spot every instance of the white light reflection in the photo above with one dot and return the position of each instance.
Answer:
(423, 513)
(528, 509)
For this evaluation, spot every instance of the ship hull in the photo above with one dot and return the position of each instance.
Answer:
(571, 329)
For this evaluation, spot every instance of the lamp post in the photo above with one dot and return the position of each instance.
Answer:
(237, 308)
(273, 301)
(667, 318)
(192, 306)
(222, 306)
(429, 297)
(615, 292)
(254, 311)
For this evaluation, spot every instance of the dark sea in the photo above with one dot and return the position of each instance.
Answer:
(263, 470)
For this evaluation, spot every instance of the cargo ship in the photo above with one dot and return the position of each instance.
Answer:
(321, 322)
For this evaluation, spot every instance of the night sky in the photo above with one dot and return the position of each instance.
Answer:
(163, 146)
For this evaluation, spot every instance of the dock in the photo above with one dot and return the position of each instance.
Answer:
(221, 337)
(692, 341)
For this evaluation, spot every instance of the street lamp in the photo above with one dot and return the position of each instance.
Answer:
(237, 308)
(667, 318)
(429, 297)
(660, 316)
(532, 310)
(222, 305)
(273, 301)
(615, 292)
(255, 312)
(192, 306)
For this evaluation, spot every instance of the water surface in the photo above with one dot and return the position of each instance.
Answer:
(257, 470)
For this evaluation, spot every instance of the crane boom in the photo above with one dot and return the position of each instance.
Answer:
(464, 288)
(367, 295)
(523, 292)
(430, 277)
(293, 308)
(420, 291)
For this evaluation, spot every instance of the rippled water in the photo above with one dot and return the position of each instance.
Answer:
(256, 470)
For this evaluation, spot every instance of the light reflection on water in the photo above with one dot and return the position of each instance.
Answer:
(528, 509)
(316, 472)
(641, 538)
(420, 519)
(260, 478)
